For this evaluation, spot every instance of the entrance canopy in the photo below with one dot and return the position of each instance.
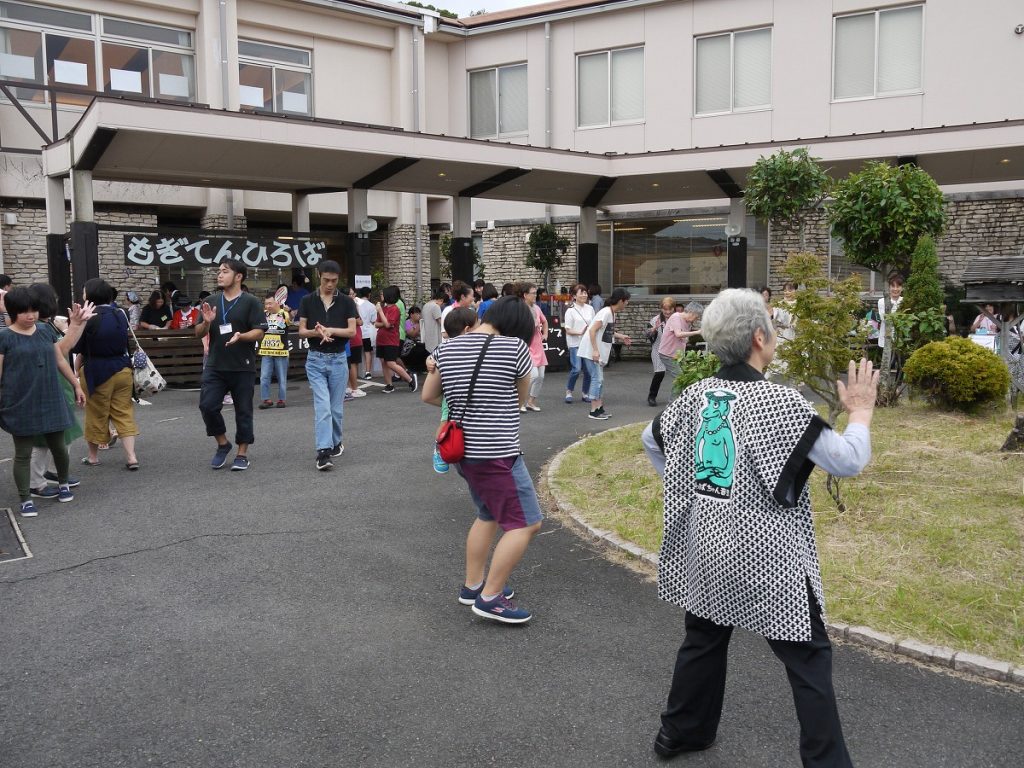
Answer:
(134, 141)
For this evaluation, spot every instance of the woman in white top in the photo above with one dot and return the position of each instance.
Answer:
(596, 347)
(895, 297)
(578, 317)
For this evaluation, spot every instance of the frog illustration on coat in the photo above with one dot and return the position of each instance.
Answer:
(715, 447)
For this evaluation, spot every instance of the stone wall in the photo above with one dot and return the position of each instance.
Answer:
(399, 262)
(24, 244)
(504, 256)
(782, 241)
(111, 254)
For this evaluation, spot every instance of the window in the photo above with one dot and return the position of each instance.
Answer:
(274, 78)
(733, 72)
(878, 53)
(609, 87)
(497, 102)
(47, 46)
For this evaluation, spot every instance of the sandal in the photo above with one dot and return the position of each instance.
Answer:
(85, 460)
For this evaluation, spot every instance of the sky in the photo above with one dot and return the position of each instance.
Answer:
(466, 7)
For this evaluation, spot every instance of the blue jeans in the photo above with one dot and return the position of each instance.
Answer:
(574, 371)
(596, 371)
(328, 375)
(270, 367)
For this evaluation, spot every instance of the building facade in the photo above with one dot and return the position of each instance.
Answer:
(651, 84)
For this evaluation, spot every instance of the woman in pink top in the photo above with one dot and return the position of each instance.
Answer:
(678, 330)
(528, 293)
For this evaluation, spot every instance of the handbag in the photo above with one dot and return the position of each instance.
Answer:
(146, 378)
(407, 347)
(451, 440)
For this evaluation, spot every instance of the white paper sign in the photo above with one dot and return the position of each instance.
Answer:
(364, 281)
(173, 85)
(13, 65)
(986, 340)
(125, 80)
(70, 72)
(250, 95)
(294, 102)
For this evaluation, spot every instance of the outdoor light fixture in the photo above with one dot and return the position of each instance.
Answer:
(1004, 161)
(655, 184)
(442, 174)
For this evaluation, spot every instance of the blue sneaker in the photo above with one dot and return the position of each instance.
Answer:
(28, 509)
(240, 464)
(220, 458)
(441, 466)
(46, 492)
(501, 609)
(468, 596)
(64, 493)
(73, 482)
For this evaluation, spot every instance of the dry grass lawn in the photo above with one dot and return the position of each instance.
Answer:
(931, 544)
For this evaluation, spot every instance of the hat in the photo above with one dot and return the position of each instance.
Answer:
(181, 300)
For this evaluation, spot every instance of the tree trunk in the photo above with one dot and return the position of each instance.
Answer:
(1015, 440)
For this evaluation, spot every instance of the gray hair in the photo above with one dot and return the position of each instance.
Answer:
(696, 307)
(730, 321)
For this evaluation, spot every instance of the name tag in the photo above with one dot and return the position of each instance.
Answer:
(225, 329)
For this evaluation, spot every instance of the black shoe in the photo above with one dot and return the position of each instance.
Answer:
(667, 747)
(651, 401)
(337, 450)
(323, 460)
(414, 383)
(388, 389)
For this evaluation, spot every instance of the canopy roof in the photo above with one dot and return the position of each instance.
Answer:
(122, 139)
(995, 279)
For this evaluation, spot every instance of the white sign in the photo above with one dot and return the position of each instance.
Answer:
(70, 72)
(125, 80)
(174, 85)
(986, 340)
(13, 65)
(363, 281)
(198, 251)
(250, 96)
(294, 102)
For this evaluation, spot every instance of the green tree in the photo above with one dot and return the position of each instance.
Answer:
(785, 188)
(830, 331)
(882, 212)
(546, 249)
(921, 318)
(446, 258)
(444, 12)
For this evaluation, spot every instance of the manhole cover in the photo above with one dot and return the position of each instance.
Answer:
(12, 542)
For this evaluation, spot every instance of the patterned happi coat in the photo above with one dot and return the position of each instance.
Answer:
(739, 546)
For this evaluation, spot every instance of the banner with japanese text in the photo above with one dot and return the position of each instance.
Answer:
(199, 251)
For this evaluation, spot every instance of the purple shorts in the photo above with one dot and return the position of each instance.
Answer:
(502, 491)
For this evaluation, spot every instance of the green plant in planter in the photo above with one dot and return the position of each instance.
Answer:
(958, 374)
(546, 249)
(694, 366)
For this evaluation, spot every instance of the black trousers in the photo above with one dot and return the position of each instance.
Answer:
(215, 385)
(656, 383)
(698, 686)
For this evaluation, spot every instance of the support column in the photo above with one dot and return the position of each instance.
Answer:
(358, 242)
(58, 263)
(736, 275)
(586, 251)
(85, 240)
(300, 212)
(462, 240)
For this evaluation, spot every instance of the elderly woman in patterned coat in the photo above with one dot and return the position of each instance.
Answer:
(738, 550)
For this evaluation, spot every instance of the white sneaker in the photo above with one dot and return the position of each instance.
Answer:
(358, 393)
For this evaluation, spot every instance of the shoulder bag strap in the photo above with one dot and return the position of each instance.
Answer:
(476, 370)
(131, 331)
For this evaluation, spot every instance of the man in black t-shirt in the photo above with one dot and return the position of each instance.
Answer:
(235, 322)
(328, 319)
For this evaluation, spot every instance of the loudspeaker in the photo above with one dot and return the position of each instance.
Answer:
(85, 254)
(462, 259)
(586, 263)
(737, 262)
(357, 256)
(59, 270)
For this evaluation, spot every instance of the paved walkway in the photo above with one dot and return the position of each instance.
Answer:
(284, 617)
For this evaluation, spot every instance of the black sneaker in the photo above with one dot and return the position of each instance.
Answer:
(388, 389)
(415, 383)
(323, 460)
(337, 450)
(598, 414)
(651, 401)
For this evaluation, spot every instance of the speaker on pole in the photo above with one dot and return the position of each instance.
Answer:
(737, 262)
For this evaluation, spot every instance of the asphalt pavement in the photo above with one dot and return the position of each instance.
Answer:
(282, 616)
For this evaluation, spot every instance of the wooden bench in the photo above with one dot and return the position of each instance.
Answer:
(178, 355)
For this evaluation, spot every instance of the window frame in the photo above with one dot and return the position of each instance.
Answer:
(103, 36)
(274, 65)
(875, 94)
(609, 52)
(732, 72)
(498, 134)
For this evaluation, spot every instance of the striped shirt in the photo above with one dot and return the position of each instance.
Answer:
(491, 423)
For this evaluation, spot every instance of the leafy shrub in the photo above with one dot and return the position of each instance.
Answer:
(694, 366)
(957, 373)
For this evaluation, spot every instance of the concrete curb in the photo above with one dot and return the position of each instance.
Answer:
(961, 661)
